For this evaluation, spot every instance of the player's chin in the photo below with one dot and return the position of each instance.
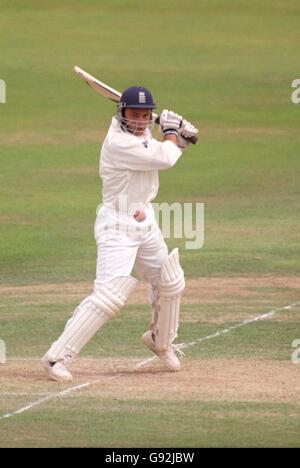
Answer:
(139, 131)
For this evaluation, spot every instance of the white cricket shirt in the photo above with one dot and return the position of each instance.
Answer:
(129, 168)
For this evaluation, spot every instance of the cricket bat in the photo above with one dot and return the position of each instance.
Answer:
(107, 91)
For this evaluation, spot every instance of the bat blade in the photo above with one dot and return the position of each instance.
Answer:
(101, 87)
(97, 85)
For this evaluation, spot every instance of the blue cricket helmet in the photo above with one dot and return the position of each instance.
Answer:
(136, 97)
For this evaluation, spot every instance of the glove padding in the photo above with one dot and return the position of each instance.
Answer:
(186, 133)
(169, 122)
(188, 130)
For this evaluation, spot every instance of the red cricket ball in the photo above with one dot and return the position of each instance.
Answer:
(139, 215)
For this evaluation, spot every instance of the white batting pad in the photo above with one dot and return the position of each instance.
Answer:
(90, 315)
(170, 286)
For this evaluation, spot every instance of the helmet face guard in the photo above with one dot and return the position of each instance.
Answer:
(134, 125)
(135, 97)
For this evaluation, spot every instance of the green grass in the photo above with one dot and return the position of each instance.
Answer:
(229, 75)
(40, 325)
(188, 424)
(225, 65)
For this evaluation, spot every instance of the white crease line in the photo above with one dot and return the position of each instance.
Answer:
(2, 394)
(34, 358)
(222, 332)
(51, 396)
(47, 398)
(144, 362)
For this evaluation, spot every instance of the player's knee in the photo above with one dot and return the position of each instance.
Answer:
(172, 280)
(110, 296)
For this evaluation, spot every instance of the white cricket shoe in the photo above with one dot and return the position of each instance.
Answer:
(57, 370)
(168, 357)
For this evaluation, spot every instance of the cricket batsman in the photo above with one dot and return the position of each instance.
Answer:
(127, 235)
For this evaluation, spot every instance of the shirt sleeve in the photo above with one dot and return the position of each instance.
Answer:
(132, 153)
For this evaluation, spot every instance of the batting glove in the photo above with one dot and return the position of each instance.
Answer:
(169, 122)
(187, 130)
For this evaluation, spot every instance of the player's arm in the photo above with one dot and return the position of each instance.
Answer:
(137, 155)
(172, 138)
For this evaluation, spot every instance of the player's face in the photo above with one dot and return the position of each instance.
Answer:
(137, 120)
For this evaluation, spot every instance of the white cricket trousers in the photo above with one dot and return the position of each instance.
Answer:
(125, 245)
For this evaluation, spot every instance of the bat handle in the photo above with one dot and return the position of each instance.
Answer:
(192, 140)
